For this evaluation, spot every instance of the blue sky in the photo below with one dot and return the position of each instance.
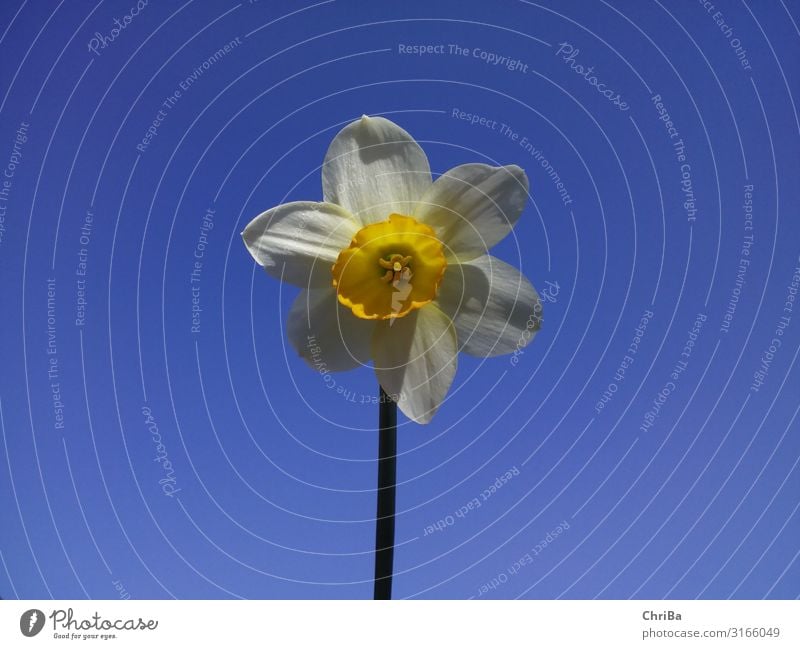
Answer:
(135, 153)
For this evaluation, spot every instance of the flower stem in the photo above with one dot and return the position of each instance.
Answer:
(387, 480)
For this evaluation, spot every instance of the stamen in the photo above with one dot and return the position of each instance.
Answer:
(396, 266)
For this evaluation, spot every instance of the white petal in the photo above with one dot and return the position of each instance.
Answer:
(494, 307)
(415, 360)
(373, 168)
(327, 335)
(473, 207)
(305, 236)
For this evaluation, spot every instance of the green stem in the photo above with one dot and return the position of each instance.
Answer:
(387, 482)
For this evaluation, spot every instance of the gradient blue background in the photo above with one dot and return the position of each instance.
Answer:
(276, 469)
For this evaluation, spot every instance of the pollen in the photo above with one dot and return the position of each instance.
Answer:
(396, 267)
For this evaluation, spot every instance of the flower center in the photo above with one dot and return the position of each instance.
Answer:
(396, 267)
(389, 269)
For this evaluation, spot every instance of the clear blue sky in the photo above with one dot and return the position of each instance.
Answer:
(680, 487)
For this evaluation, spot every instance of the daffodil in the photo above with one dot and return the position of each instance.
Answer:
(394, 265)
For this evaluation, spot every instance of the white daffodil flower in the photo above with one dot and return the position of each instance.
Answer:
(393, 265)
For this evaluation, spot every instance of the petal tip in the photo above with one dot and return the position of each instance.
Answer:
(365, 122)
(518, 172)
